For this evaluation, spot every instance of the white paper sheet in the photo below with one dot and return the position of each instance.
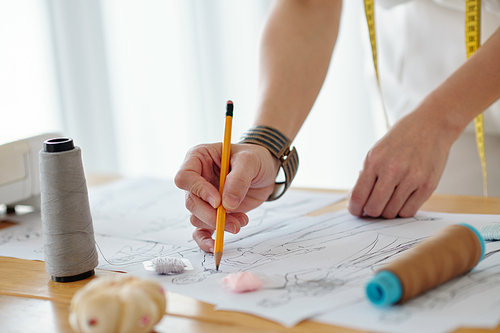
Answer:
(313, 267)
(153, 209)
(24, 240)
(140, 218)
(146, 209)
(471, 300)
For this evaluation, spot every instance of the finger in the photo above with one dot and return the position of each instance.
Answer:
(203, 237)
(381, 193)
(196, 184)
(244, 169)
(397, 200)
(192, 176)
(201, 210)
(416, 200)
(242, 219)
(361, 192)
(196, 222)
(233, 223)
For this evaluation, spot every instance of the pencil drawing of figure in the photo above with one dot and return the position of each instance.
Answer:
(349, 273)
(208, 269)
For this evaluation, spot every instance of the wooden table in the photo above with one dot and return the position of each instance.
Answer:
(31, 302)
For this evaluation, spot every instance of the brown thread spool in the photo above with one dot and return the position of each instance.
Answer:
(452, 252)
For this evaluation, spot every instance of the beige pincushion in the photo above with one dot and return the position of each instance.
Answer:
(120, 304)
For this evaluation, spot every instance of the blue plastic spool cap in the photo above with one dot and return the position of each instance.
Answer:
(384, 289)
(481, 240)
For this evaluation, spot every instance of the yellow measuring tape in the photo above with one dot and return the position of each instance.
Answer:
(370, 20)
(472, 42)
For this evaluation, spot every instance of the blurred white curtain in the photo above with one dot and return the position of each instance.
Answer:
(174, 64)
(28, 94)
(143, 81)
(347, 118)
(81, 70)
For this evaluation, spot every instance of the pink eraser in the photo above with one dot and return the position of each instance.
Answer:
(243, 282)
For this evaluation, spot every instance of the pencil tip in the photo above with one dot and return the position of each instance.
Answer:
(218, 256)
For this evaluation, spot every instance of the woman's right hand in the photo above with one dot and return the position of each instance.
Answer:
(249, 183)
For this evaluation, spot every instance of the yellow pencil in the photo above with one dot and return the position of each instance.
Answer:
(224, 169)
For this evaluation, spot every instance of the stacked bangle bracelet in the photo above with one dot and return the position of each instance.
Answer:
(279, 146)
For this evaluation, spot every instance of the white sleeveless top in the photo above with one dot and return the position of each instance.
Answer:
(429, 46)
(420, 43)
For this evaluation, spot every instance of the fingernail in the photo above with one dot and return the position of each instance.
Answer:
(231, 201)
(211, 201)
(243, 221)
(230, 227)
(211, 250)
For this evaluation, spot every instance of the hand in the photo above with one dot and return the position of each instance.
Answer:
(402, 170)
(249, 183)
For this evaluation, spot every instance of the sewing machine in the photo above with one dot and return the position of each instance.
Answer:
(19, 171)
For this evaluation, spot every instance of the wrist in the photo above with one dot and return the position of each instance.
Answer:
(443, 116)
(278, 146)
(274, 161)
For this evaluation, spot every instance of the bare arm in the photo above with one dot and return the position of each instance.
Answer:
(296, 49)
(471, 89)
(402, 170)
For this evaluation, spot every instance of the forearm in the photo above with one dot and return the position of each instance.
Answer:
(470, 90)
(296, 49)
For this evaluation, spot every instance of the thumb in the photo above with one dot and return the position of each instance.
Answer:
(238, 181)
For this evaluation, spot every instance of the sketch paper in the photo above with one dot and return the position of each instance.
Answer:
(24, 240)
(466, 301)
(312, 267)
(301, 202)
(319, 266)
(153, 209)
(140, 218)
(142, 208)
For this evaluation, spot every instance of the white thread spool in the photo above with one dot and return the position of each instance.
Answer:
(491, 232)
(69, 245)
(168, 265)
